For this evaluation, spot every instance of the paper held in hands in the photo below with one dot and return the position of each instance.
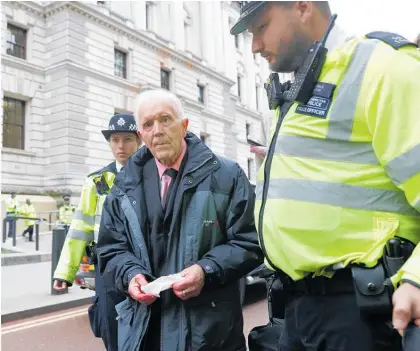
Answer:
(161, 284)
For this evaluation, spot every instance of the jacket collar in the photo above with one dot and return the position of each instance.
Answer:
(198, 165)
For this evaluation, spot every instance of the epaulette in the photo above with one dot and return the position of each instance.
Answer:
(109, 168)
(395, 40)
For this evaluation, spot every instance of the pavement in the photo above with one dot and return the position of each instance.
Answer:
(69, 330)
(26, 281)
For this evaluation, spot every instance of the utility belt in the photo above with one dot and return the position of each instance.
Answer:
(372, 286)
(91, 253)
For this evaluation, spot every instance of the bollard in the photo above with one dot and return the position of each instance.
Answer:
(14, 231)
(4, 229)
(58, 237)
(36, 237)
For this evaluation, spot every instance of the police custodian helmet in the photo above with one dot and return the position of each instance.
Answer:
(248, 10)
(121, 122)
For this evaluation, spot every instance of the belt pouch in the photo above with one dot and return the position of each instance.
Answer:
(372, 295)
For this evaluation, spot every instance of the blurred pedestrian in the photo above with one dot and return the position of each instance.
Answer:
(66, 212)
(12, 209)
(28, 210)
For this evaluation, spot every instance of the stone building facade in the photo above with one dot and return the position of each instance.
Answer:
(67, 67)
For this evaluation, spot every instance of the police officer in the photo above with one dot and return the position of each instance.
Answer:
(124, 141)
(28, 210)
(66, 212)
(12, 209)
(339, 191)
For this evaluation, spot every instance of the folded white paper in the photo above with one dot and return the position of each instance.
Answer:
(161, 284)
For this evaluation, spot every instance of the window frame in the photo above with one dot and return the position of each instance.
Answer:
(125, 62)
(201, 88)
(169, 73)
(22, 125)
(11, 26)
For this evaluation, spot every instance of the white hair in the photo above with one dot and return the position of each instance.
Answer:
(158, 95)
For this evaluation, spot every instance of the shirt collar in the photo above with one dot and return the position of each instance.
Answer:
(118, 166)
(162, 168)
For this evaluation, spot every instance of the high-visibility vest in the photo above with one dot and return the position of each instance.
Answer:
(66, 214)
(29, 212)
(85, 225)
(12, 207)
(342, 175)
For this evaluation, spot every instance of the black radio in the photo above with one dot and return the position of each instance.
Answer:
(309, 70)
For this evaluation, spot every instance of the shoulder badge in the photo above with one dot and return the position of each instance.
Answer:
(395, 40)
(102, 186)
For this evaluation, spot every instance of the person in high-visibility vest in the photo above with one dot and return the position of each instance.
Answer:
(124, 141)
(338, 195)
(66, 212)
(28, 210)
(12, 209)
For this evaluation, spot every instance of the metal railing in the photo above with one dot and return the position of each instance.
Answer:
(15, 219)
(50, 213)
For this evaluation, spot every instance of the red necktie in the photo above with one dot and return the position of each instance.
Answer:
(166, 179)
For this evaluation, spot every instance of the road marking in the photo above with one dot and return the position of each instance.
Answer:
(42, 321)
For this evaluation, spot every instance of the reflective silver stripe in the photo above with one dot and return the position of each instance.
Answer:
(90, 220)
(80, 235)
(326, 149)
(341, 118)
(342, 195)
(404, 166)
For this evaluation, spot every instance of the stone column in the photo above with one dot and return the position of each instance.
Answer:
(177, 25)
(207, 32)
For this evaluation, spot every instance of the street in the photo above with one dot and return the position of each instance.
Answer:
(69, 330)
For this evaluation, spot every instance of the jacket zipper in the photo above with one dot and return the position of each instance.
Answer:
(267, 171)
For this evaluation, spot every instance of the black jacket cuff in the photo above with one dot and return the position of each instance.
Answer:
(212, 272)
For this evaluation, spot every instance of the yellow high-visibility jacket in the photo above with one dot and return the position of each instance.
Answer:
(28, 211)
(85, 225)
(66, 214)
(342, 175)
(12, 207)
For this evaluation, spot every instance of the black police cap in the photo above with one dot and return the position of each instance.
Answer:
(121, 122)
(248, 10)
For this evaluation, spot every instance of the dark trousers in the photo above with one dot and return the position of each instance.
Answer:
(102, 314)
(12, 225)
(333, 323)
(30, 231)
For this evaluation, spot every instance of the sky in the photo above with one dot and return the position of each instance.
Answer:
(361, 17)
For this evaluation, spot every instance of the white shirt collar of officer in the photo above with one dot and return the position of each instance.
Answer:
(118, 166)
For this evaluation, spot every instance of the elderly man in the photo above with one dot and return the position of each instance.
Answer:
(178, 208)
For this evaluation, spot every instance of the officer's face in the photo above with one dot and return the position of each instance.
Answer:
(162, 130)
(123, 145)
(279, 37)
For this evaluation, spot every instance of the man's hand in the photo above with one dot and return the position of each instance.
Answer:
(406, 301)
(134, 289)
(59, 285)
(191, 285)
(259, 150)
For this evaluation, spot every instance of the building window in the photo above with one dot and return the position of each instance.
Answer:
(16, 41)
(204, 138)
(250, 166)
(257, 97)
(200, 93)
(100, 3)
(13, 123)
(247, 129)
(165, 79)
(237, 41)
(239, 82)
(120, 63)
(149, 15)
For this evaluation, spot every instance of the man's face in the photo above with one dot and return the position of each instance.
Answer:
(123, 145)
(28, 202)
(279, 37)
(162, 131)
